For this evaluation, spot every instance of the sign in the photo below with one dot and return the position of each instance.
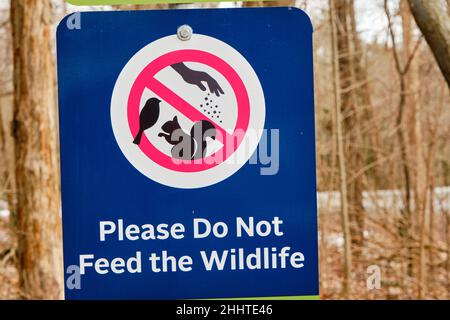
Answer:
(188, 163)
(114, 2)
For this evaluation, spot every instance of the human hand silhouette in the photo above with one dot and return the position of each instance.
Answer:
(197, 78)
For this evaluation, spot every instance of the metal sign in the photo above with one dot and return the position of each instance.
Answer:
(188, 154)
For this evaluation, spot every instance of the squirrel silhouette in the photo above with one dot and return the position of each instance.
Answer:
(188, 146)
(147, 118)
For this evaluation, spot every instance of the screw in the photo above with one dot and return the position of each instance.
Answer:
(184, 32)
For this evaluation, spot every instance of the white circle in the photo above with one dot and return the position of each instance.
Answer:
(156, 172)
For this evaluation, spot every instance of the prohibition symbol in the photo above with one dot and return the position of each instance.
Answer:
(170, 91)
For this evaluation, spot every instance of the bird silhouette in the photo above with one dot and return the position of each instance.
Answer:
(148, 117)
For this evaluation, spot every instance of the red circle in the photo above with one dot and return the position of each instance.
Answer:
(147, 76)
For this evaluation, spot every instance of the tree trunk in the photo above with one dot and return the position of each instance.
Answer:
(38, 207)
(405, 225)
(7, 183)
(434, 22)
(416, 153)
(360, 101)
(345, 220)
(361, 76)
(349, 110)
(4, 162)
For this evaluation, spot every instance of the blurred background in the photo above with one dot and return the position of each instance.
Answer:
(382, 74)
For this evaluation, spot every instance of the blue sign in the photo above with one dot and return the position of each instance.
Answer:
(188, 154)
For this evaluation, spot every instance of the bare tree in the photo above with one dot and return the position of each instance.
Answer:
(38, 208)
(345, 220)
(416, 151)
(403, 67)
(351, 111)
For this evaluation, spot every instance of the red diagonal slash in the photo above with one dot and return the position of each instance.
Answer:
(184, 107)
(146, 79)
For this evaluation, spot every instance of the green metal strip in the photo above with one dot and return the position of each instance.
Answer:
(276, 298)
(113, 2)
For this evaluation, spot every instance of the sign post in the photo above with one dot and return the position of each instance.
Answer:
(188, 154)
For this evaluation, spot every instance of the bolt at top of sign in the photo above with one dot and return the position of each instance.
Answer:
(184, 32)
